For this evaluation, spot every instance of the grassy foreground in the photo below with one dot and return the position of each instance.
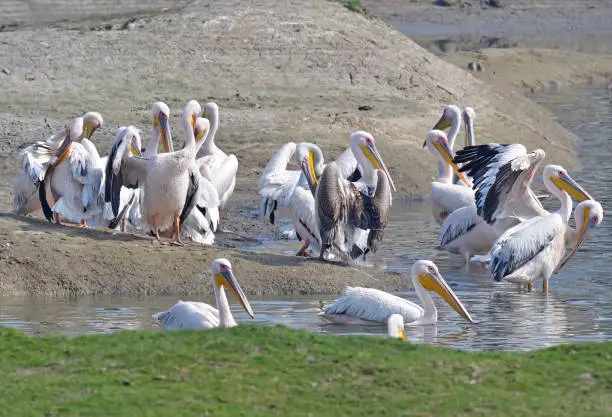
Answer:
(256, 370)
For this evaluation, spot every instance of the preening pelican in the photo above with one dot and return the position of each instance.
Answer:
(37, 158)
(395, 327)
(222, 168)
(532, 249)
(75, 176)
(342, 205)
(165, 177)
(368, 304)
(277, 183)
(446, 197)
(191, 315)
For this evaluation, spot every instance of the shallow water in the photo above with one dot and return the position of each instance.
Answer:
(579, 307)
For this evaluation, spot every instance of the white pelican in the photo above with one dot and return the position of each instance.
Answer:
(38, 157)
(367, 304)
(191, 315)
(200, 216)
(76, 176)
(446, 197)
(463, 230)
(502, 176)
(277, 183)
(165, 177)
(221, 167)
(451, 118)
(532, 249)
(395, 327)
(342, 205)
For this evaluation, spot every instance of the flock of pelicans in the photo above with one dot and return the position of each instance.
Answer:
(482, 198)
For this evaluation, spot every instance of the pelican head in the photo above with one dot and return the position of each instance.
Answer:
(211, 111)
(425, 273)
(161, 114)
(310, 158)
(92, 121)
(201, 127)
(191, 112)
(362, 143)
(223, 277)
(136, 143)
(556, 177)
(468, 119)
(437, 143)
(395, 327)
(588, 215)
(450, 114)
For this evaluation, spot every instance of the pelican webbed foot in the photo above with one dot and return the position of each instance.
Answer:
(304, 250)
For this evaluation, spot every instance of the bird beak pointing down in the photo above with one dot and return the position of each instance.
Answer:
(374, 157)
(567, 184)
(447, 154)
(435, 282)
(226, 278)
(585, 230)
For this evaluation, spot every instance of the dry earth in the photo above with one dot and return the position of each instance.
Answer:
(279, 71)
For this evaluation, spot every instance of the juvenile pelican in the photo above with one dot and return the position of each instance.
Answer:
(532, 249)
(368, 304)
(75, 175)
(395, 327)
(165, 177)
(341, 204)
(191, 315)
(446, 197)
(221, 167)
(37, 158)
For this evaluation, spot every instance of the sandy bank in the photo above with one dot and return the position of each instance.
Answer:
(279, 72)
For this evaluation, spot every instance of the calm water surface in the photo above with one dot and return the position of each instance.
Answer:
(578, 308)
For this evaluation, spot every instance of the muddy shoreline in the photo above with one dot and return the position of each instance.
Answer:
(311, 65)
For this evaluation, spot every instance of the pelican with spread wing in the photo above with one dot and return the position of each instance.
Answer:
(532, 249)
(359, 305)
(165, 177)
(345, 209)
(190, 315)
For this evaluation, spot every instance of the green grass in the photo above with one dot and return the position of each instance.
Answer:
(355, 6)
(257, 370)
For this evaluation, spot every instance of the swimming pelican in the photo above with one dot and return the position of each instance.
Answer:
(342, 205)
(395, 327)
(37, 158)
(165, 177)
(368, 304)
(532, 249)
(191, 315)
(446, 197)
(221, 167)
(75, 176)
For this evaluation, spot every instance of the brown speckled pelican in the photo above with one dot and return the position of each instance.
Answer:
(346, 209)
(165, 176)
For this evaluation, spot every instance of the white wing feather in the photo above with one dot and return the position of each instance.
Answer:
(374, 305)
(188, 315)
